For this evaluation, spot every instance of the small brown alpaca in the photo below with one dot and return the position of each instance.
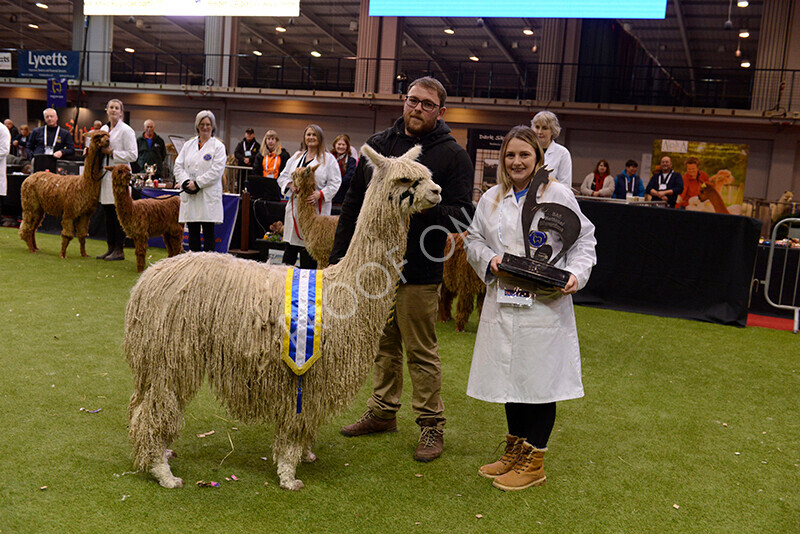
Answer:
(71, 197)
(229, 181)
(147, 217)
(459, 280)
(709, 192)
(317, 230)
(781, 207)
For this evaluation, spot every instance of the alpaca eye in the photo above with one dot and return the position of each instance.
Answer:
(404, 180)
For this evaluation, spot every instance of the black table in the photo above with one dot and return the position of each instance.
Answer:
(671, 263)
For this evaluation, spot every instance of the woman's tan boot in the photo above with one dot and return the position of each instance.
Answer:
(527, 472)
(506, 462)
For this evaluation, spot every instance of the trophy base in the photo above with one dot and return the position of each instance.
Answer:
(533, 271)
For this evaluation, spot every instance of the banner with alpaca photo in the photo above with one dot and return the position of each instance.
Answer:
(719, 171)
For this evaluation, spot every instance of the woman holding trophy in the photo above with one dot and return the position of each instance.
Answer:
(526, 352)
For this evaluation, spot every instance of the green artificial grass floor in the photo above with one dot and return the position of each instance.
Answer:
(685, 427)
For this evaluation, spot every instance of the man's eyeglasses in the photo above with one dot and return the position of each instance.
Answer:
(412, 102)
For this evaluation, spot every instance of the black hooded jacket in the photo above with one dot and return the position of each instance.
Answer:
(451, 168)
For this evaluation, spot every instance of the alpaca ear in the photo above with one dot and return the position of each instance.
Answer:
(373, 157)
(108, 168)
(413, 153)
(315, 167)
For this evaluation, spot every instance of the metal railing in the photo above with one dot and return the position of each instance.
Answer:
(787, 286)
(768, 90)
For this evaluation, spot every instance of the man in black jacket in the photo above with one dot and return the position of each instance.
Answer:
(152, 150)
(247, 149)
(413, 323)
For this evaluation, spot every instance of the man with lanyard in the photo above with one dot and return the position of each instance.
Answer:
(152, 149)
(50, 141)
(628, 183)
(413, 324)
(667, 184)
(247, 149)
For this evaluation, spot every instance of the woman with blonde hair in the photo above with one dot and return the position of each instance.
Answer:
(123, 149)
(347, 164)
(526, 352)
(272, 157)
(312, 152)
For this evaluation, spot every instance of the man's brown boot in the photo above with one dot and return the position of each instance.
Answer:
(431, 441)
(527, 472)
(370, 424)
(507, 461)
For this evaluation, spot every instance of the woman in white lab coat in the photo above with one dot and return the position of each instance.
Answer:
(5, 146)
(198, 172)
(328, 177)
(556, 157)
(526, 354)
(124, 150)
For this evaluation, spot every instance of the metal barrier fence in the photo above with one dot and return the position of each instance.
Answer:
(787, 286)
(775, 91)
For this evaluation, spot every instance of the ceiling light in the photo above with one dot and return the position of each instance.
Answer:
(744, 34)
(280, 29)
(130, 50)
(33, 26)
(527, 31)
(742, 3)
(257, 53)
(449, 31)
(315, 53)
(535, 48)
(41, 5)
(745, 64)
(738, 52)
(474, 58)
(353, 25)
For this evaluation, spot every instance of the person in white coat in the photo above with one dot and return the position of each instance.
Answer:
(556, 157)
(123, 150)
(5, 147)
(328, 177)
(526, 354)
(198, 172)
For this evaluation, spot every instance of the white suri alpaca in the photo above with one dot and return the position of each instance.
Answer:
(206, 314)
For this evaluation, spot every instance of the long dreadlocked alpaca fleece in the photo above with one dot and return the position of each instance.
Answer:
(146, 217)
(318, 231)
(206, 314)
(71, 197)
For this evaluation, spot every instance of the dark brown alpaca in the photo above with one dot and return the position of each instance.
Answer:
(72, 197)
(317, 230)
(459, 280)
(147, 217)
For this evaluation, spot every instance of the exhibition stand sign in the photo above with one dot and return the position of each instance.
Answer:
(48, 64)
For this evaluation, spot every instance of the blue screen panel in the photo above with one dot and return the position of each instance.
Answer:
(556, 9)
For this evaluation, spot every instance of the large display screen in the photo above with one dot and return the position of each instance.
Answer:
(551, 9)
(194, 8)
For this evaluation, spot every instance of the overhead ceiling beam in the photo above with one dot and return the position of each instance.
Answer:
(145, 42)
(278, 48)
(41, 42)
(185, 28)
(327, 30)
(685, 39)
(416, 41)
(501, 45)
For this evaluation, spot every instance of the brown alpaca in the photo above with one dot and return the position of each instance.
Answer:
(71, 197)
(709, 192)
(229, 181)
(317, 230)
(459, 280)
(147, 217)
(781, 207)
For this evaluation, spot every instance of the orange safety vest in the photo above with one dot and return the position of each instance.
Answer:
(272, 162)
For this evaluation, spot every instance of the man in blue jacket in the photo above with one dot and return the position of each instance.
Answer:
(628, 182)
(50, 140)
(414, 322)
